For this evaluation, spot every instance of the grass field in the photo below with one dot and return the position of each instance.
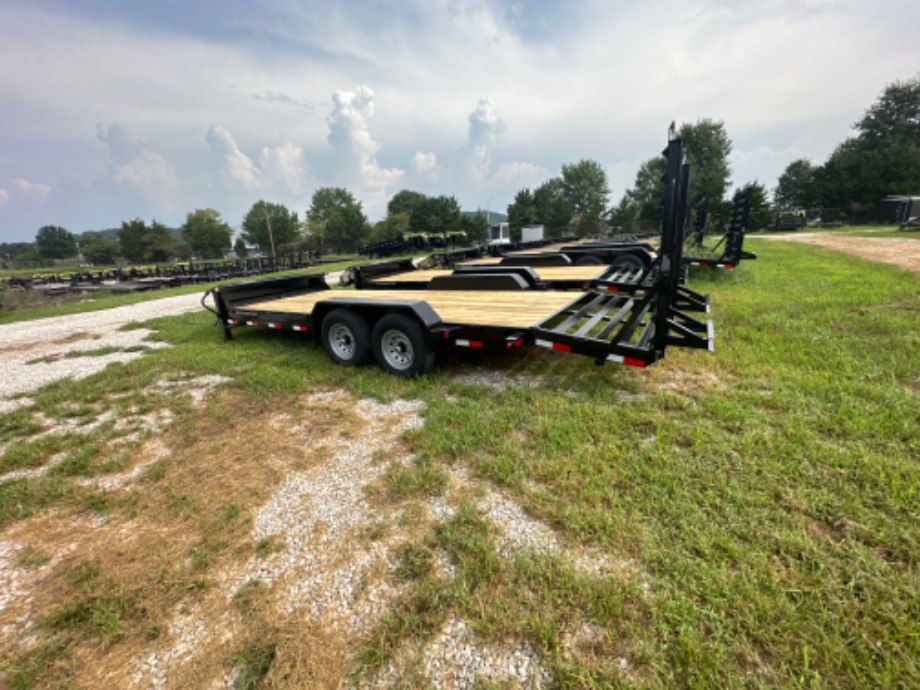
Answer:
(756, 511)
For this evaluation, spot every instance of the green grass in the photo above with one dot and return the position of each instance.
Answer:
(766, 497)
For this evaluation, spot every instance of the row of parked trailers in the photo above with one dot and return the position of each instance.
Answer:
(626, 312)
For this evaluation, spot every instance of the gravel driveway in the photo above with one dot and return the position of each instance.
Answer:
(35, 353)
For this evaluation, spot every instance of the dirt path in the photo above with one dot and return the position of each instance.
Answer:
(903, 253)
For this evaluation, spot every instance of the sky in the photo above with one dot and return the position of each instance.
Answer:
(114, 110)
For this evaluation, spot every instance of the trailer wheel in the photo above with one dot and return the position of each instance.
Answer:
(589, 260)
(400, 346)
(346, 338)
(628, 262)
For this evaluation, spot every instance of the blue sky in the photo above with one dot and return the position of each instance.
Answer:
(115, 110)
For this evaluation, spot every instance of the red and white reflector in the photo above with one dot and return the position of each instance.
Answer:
(232, 322)
(272, 324)
(252, 323)
(299, 328)
(469, 343)
(630, 361)
(553, 346)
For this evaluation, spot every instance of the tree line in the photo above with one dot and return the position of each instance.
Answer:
(883, 158)
(334, 223)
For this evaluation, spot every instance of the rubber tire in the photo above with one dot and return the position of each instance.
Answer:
(400, 347)
(346, 338)
(589, 260)
(628, 261)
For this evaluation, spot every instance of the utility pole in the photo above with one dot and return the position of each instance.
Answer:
(271, 239)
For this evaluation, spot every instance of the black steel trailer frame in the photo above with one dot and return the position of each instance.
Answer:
(731, 243)
(404, 274)
(403, 328)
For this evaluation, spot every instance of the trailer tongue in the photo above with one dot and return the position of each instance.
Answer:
(403, 328)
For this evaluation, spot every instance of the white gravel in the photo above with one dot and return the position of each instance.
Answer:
(33, 354)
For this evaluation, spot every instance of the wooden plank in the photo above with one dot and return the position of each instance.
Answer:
(482, 308)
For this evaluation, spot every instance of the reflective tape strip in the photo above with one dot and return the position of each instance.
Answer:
(469, 343)
(631, 361)
(232, 322)
(553, 346)
(252, 323)
(299, 328)
(273, 325)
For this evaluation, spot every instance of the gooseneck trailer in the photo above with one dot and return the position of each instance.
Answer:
(402, 329)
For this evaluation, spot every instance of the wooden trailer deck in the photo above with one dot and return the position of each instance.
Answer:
(520, 309)
(543, 273)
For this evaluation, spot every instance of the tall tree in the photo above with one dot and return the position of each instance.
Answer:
(132, 238)
(161, 243)
(435, 215)
(551, 207)
(760, 213)
(521, 212)
(895, 117)
(405, 201)
(795, 188)
(474, 225)
(392, 226)
(338, 218)
(54, 242)
(98, 249)
(708, 147)
(270, 227)
(206, 233)
(883, 158)
(586, 189)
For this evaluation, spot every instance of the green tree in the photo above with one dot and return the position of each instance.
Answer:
(336, 216)
(431, 214)
(586, 189)
(623, 217)
(54, 242)
(240, 248)
(141, 243)
(405, 201)
(761, 213)
(795, 188)
(98, 249)
(392, 226)
(894, 119)
(161, 243)
(551, 207)
(521, 212)
(132, 240)
(708, 147)
(474, 225)
(206, 233)
(270, 227)
(883, 158)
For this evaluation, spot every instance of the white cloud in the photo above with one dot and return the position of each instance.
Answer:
(354, 162)
(136, 169)
(24, 191)
(237, 168)
(284, 164)
(485, 129)
(425, 165)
